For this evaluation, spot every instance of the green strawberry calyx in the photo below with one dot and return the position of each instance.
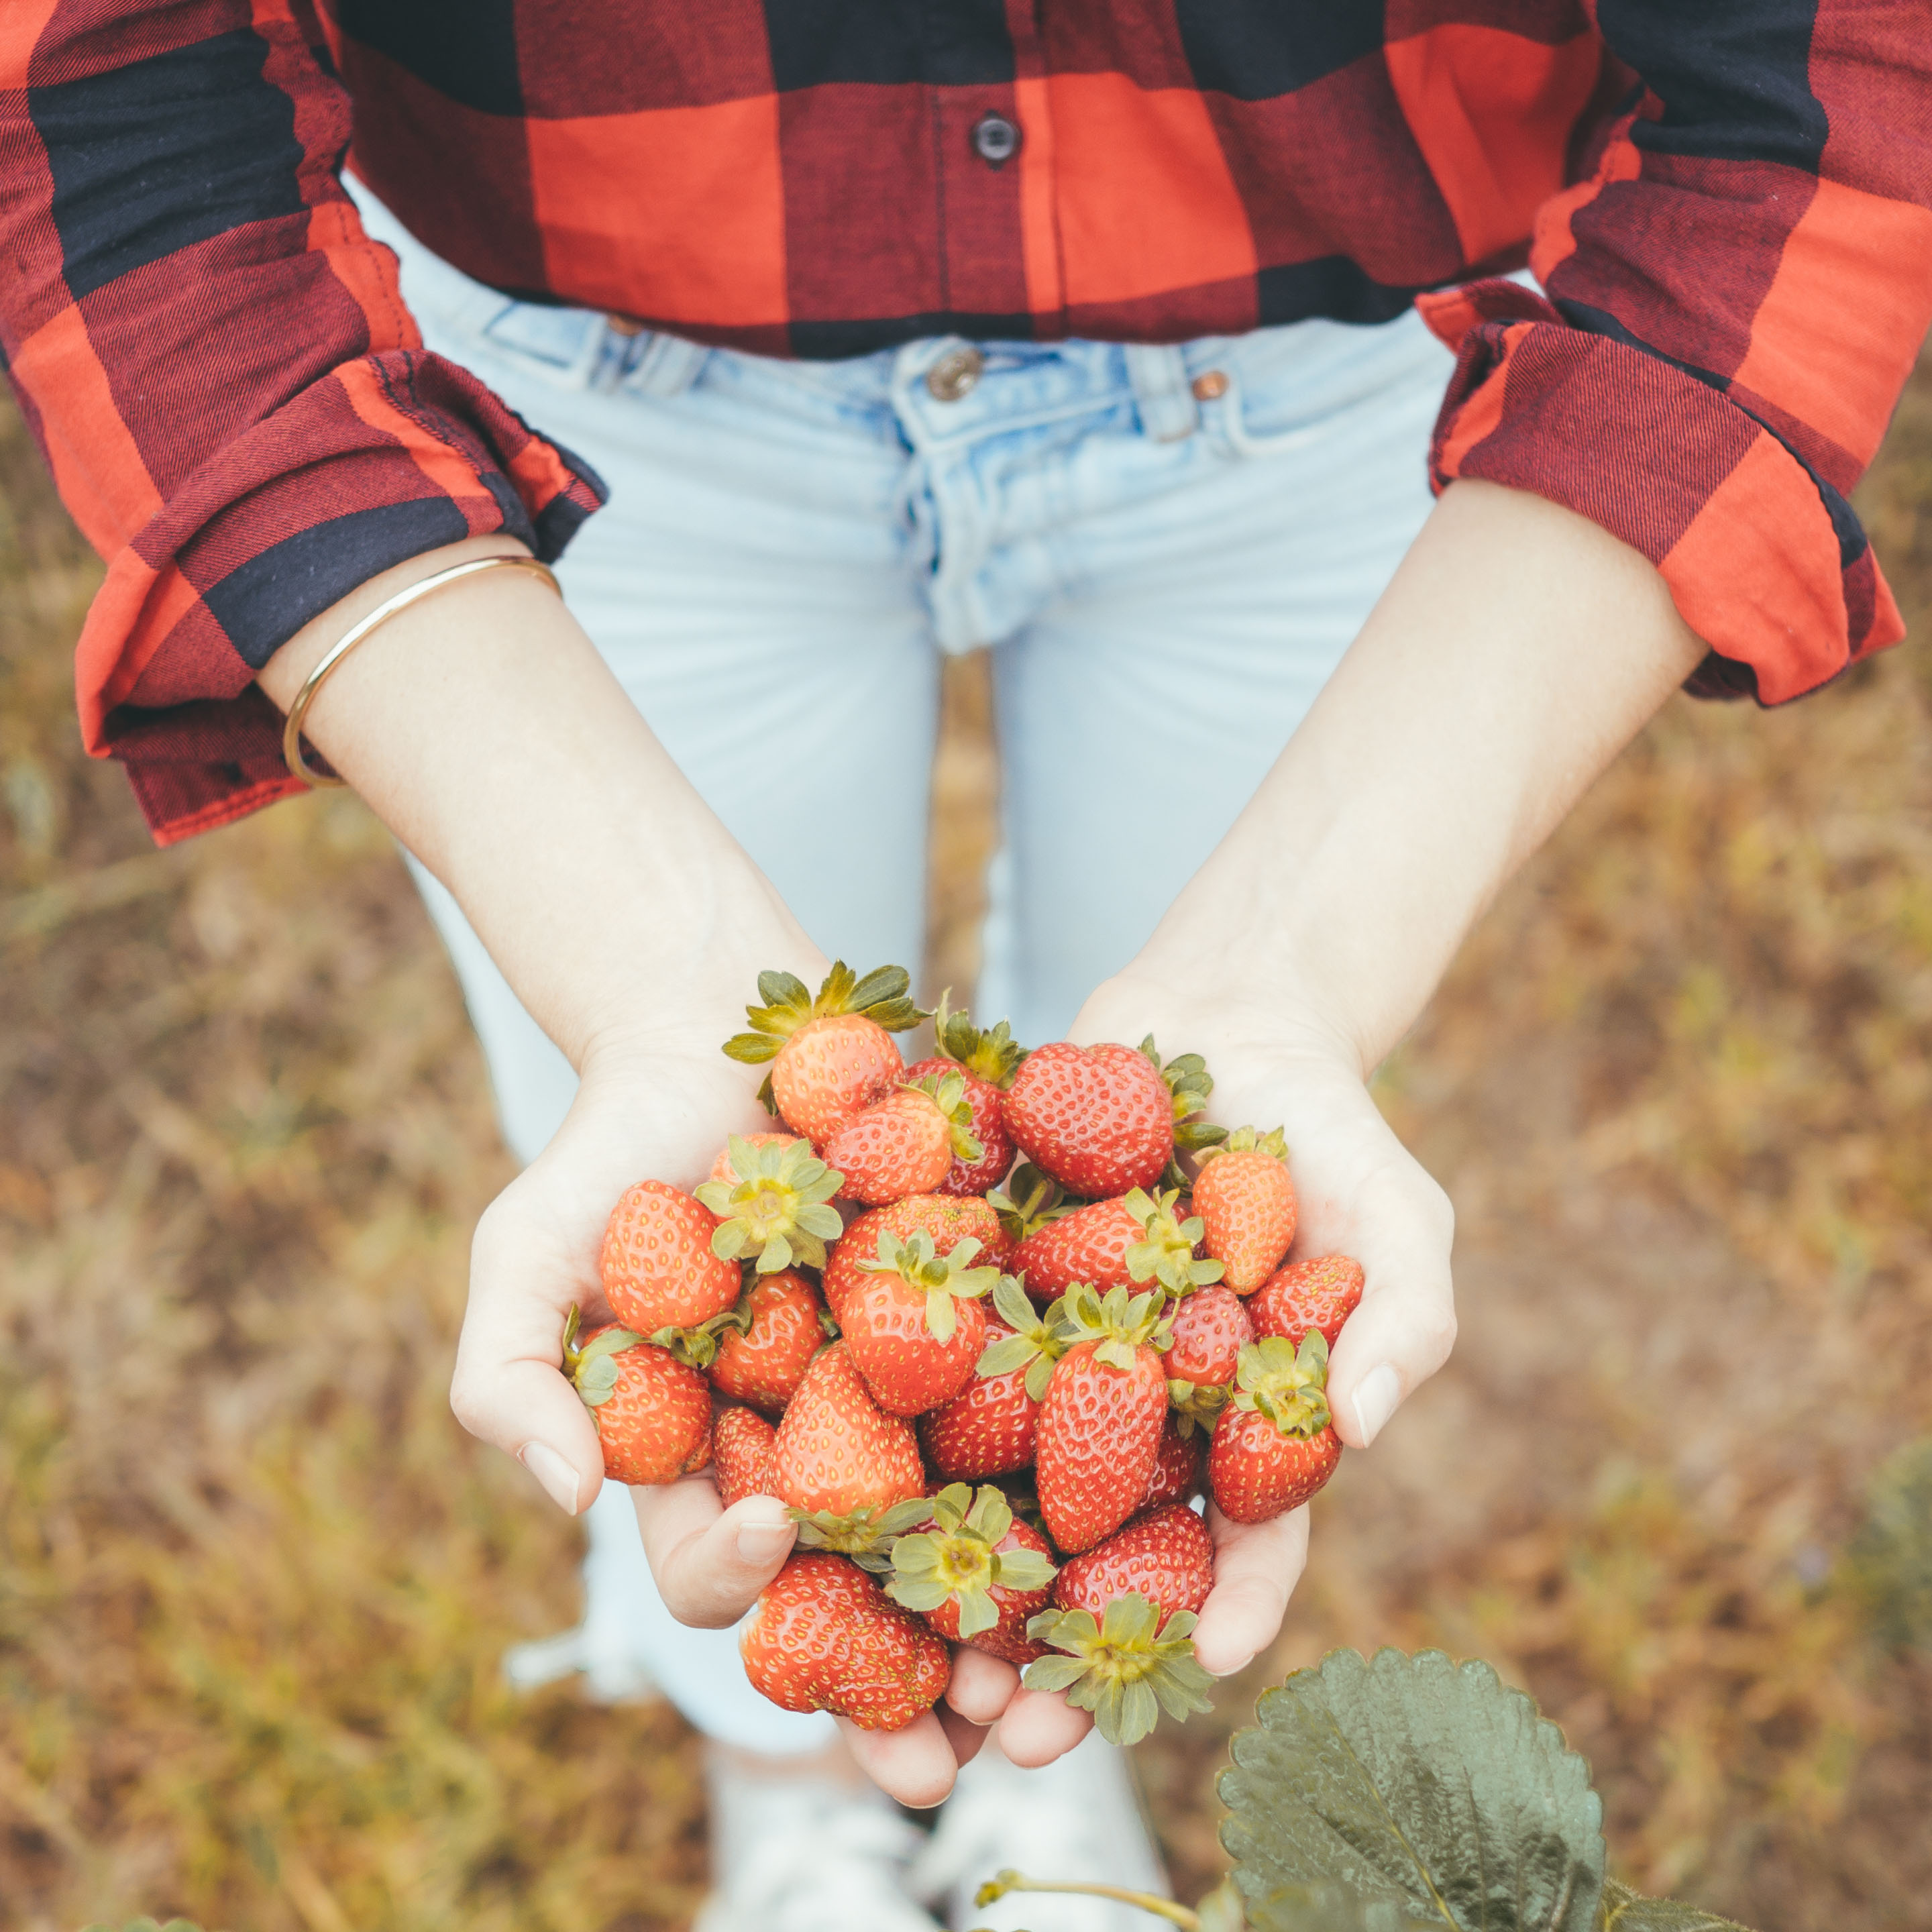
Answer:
(937, 1276)
(994, 1055)
(959, 1558)
(1250, 1140)
(1038, 1340)
(947, 1092)
(1029, 1200)
(1197, 1403)
(776, 1209)
(881, 996)
(592, 1368)
(1190, 1084)
(1126, 1668)
(698, 1348)
(1165, 1253)
(1120, 1323)
(865, 1535)
(1287, 1385)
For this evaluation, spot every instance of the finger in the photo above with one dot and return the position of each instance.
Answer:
(982, 1686)
(965, 1737)
(1256, 1568)
(1040, 1725)
(710, 1564)
(915, 1764)
(508, 1387)
(1405, 1326)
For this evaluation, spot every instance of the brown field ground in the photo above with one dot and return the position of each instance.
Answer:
(254, 1584)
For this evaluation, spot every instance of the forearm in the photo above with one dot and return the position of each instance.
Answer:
(1516, 652)
(485, 731)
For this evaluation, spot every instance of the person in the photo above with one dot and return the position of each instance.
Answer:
(1182, 355)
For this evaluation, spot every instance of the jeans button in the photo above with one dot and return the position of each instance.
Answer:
(955, 374)
(995, 139)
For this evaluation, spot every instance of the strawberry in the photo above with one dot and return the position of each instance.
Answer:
(1126, 1624)
(1100, 1421)
(1177, 1467)
(722, 1169)
(831, 1057)
(1165, 1554)
(652, 1413)
(657, 1265)
(950, 1219)
(764, 1364)
(987, 1429)
(1273, 1446)
(742, 1441)
(1086, 1244)
(1246, 1201)
(978, 1571)
(1210, 1329)
(824, 1636)
(916, 1329)
(1099, 1120)
(774, 1205)
(1321, 1293)
(986, 1061)
(851, 1473)
(906, 1145)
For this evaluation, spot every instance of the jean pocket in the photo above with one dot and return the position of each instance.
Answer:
(563, 348)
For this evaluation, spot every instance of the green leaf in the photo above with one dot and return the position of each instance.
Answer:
(1623, 1910)
(940, 1318)
(784, 989)
(977, 1612)
(1420, 1782)
(1022, 1569)
(750, 1048)
(1328, 1907)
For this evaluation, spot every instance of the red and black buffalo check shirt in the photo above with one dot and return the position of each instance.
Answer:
(1726, 201)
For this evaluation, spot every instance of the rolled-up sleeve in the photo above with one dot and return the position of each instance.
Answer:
(1735, 295)
(235, 405)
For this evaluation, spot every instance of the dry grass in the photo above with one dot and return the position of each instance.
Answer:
(254, 1583)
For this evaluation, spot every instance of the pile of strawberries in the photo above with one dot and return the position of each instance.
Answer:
(989, 1392)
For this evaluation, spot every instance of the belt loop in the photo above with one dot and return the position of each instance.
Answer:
(1158, 372)
(669, 365)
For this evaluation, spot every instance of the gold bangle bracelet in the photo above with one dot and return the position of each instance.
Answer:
(415, 593)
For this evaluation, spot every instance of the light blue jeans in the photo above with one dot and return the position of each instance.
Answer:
(1167, 549)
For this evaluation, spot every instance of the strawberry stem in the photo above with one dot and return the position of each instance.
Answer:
(997, 1887)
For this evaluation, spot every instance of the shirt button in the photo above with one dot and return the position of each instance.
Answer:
(1210, 386)
(956, 373)
(625, 325)
(995, 139)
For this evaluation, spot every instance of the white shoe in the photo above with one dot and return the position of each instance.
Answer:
(807, 1855)
(1077, 1819)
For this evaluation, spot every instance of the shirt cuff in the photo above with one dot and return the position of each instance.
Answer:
(1764, 560)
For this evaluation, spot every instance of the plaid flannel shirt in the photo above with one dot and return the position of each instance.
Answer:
(1726, 203)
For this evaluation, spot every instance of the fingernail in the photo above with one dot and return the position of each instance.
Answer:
(558, 1478)
(765, 1534)
(1375, 1399)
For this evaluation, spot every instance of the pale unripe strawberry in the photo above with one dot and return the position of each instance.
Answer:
(1246, 1205)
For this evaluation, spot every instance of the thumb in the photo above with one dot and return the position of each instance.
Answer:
(711, 1563)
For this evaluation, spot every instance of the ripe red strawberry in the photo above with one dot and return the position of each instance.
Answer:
(774, 1205)
(1177, 1467)
(980, 1571)
(1246, 1204)
(916, 1329)
(1100, 1421)
(949, 1219)
(843, 1463)
(986, 1060)
(653, 1414)
(1210, 1329)
(907, 1144)
(657, 1266)
(1099, 1120)
(987, 1429)
(1165, 1554)
(1088, 1245)
(1126, 1625)
(824, 1636)
(1273, 1446)
(741, 1443)
(765, 1364)
(1321, 1293)
(722, 1169)
(833, 1056)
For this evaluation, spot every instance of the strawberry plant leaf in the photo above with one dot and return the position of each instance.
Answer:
(1423, 1783)
(1623, 1910)
(1322, 1908)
